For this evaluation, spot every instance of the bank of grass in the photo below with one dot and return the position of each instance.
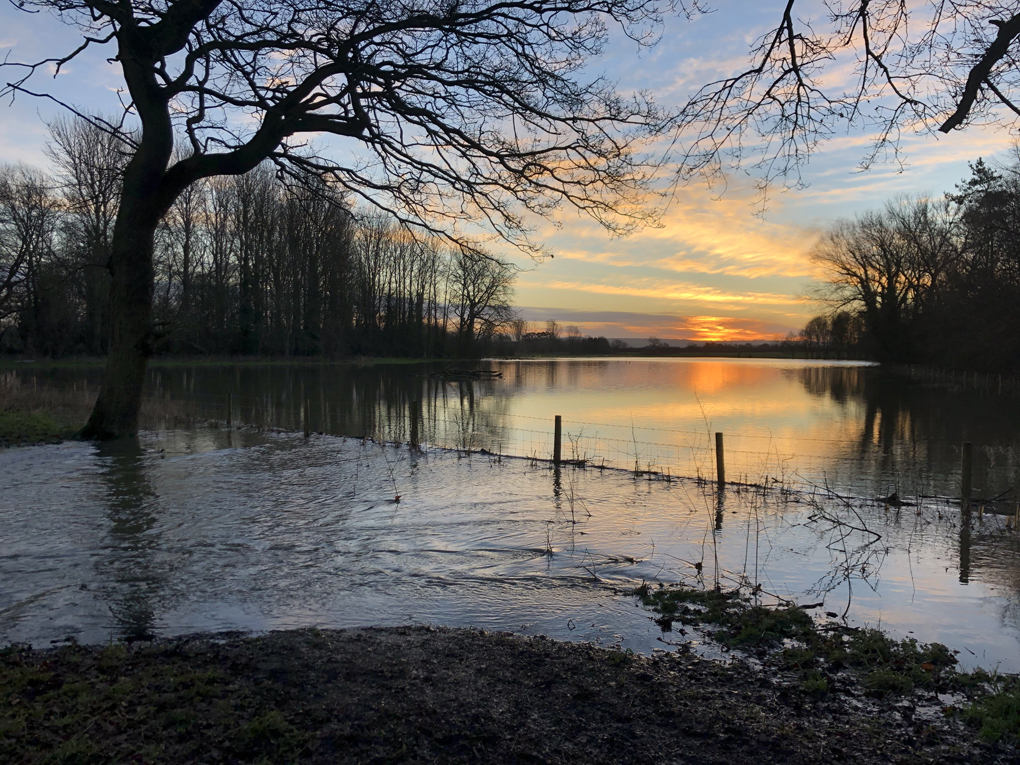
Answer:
(788, 638)
(292, 361)
(94, 362)
(435, 695)
(23, 428)
(35, 414)
(38, 414)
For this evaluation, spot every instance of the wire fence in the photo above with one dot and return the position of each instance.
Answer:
(855, 463)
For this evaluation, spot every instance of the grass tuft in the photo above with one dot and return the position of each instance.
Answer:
(997, 714)
(882, 665)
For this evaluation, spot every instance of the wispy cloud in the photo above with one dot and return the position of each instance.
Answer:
(699, 232)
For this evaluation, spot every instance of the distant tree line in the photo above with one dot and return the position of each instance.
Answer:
(554, 340)
(253, 264)
(931, 281)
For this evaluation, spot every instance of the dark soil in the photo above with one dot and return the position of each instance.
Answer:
(441, 695)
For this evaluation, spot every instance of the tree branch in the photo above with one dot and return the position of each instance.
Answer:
(1008, 32)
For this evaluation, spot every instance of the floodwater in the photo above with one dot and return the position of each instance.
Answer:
(254, 528)
(843, 425)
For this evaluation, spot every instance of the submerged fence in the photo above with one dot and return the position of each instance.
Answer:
(857, 462)
(862, 466)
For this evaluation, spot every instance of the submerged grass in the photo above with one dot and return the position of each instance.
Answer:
(41, 413)
(736, 621)
(790, 639)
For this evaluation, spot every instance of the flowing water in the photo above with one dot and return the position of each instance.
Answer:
(258, 528)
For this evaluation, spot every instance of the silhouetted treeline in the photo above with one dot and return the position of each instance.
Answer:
(245, 265)
(790, 347)
(931, 281)
(553, 340)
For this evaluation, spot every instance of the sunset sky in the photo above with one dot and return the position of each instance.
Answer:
(714, 270)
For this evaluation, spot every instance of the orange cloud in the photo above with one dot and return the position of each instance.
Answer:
(698, 232)
(681, 291)
(729, 329)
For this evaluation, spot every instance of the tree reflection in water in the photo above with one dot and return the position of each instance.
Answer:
(914, 429)
(130, 558)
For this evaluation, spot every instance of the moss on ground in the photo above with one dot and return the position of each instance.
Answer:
(97, 706)
(21, 428)
(791, 640)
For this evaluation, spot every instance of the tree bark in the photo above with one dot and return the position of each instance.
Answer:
(145, 198)
(131, 343)
(144, 202)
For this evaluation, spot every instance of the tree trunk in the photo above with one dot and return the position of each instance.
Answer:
(120, 398)
(131, 261)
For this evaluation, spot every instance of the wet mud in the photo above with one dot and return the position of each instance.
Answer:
(422, 694)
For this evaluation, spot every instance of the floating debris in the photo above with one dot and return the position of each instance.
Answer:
(468, 374)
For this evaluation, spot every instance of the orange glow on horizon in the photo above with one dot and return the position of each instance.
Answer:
(698, 329)
(722, 329)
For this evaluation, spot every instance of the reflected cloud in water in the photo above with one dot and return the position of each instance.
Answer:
(255, 529)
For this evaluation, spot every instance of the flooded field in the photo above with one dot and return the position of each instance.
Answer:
(845, 425)
(253, 528)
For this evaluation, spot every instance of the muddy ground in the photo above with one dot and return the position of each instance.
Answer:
(443, 695)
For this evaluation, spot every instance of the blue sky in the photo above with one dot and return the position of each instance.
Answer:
(715, 269)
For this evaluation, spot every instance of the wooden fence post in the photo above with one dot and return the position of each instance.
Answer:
(720, 463)
(308, 418)
(415, 444)
(558, 440)
(965, 480)
(1014, 505)
(230, 409)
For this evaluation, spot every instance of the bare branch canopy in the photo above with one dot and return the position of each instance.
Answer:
(469, 112)
(882, 68)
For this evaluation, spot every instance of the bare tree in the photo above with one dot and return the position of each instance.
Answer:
(467, 111)
(89, 163)
(883, 66)
(481, 291)
(222, 247)
(184, 245)
(889, 266)
(817, 334)
(518, 328)
(28, 221)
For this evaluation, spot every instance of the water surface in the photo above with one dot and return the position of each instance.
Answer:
(256, 529)
(846, 425)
